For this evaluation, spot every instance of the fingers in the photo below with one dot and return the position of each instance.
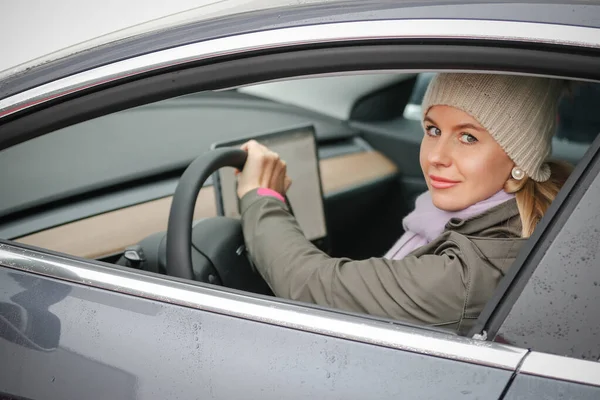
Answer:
(253, 146)
(281, 182)
(263, 168)
(246, 146)
(270, 166)
(287, 183)
(278, 176)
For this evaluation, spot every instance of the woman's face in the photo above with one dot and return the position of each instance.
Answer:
(461, 161)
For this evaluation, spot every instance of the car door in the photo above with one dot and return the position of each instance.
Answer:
(81, 328)
(87, 330)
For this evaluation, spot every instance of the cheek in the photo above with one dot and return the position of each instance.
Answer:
(423, 152)
(472, 167)
(487, 170)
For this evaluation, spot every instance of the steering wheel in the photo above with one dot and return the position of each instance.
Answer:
(213, 250)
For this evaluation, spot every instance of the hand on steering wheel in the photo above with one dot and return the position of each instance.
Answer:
(263, 169)
(212, 247)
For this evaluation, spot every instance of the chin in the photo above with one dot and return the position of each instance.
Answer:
(447, 201)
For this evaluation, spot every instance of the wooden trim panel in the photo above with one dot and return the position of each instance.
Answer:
(112, 232)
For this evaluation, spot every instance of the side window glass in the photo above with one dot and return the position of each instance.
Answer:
(578, 118)
(577, 121)
(557, 312)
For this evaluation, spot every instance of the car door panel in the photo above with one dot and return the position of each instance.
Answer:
(528, 387)
(83, 342)
(548, 376)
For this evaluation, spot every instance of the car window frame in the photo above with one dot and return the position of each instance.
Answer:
(525, 33)
(189, 80)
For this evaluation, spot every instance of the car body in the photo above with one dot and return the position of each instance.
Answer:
(75, 324)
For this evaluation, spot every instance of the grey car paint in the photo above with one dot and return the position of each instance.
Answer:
(80, 342)
(526, 387)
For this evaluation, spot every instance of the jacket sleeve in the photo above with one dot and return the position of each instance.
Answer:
(430, 289)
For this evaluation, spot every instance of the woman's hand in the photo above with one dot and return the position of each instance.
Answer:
(263, 169)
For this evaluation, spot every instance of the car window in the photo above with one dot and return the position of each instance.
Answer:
(558, 312)
(155, 142)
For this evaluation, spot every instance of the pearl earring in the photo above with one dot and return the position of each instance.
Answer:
(517, 173)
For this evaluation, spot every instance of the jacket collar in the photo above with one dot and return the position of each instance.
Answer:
(500, 214)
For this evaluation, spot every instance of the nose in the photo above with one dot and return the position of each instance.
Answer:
(440, 154)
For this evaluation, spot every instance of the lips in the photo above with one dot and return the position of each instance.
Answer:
(439, 182)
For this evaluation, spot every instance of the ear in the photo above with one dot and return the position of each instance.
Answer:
(510, 184)
(509, 177)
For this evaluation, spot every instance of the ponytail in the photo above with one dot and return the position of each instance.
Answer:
(534, 198)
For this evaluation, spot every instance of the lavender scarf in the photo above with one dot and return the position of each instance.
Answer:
(426, 222)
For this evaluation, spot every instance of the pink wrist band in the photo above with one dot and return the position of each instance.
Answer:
(270, 193)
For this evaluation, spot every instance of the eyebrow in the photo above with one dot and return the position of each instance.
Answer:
(430, 120)
(471, 126)
(461, 126)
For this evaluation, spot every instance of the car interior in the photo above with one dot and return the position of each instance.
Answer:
(103, 189)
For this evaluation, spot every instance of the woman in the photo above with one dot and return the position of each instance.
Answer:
(484, 158)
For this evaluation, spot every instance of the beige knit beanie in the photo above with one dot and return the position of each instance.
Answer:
(518, 111)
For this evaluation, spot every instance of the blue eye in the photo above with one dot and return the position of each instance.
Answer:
(467, 138)
(433, 131)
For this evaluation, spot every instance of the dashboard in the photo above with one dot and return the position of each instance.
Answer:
(111, 232)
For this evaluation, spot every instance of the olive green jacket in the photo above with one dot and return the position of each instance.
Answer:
(445, 283)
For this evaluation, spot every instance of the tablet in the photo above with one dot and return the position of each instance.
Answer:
(298, 147)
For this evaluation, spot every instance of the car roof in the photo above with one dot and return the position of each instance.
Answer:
(112, 21)
(100, 43)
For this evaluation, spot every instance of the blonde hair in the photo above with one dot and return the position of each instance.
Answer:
(534, 198)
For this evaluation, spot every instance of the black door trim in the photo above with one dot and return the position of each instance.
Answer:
(218, 74)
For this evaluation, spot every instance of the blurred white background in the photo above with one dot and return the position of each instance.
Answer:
(31, 29)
